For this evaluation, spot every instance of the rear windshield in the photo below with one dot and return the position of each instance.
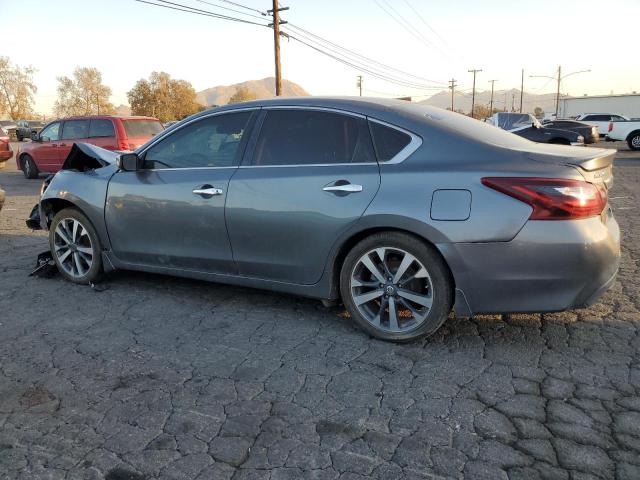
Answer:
(142, 128)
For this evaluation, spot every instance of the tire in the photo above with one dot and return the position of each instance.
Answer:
(425, 278)
(82, 262)
(560, 141)
(29, 167)
(19, 137)
(634, 141)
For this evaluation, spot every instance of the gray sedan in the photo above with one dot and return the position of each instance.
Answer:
(402, 211)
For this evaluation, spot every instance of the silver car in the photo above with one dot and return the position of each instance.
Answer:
(402, 211)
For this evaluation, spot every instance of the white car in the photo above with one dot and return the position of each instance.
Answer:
(627, 131)
(600, 120)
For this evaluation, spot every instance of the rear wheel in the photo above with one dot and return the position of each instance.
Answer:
(560, 141)
(19, 137)
(634, 141)
(29, 167)
(75, 246)
(396, 287)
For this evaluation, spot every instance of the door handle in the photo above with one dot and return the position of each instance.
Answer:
(207, 191)
(345, 188)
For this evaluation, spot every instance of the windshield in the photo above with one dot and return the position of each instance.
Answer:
(511, 121)
(142, 128)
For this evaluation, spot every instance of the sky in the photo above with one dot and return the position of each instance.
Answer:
(127, 40)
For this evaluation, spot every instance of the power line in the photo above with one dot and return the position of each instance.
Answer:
(232, 9)
(400, 20)
(204, 13)
(244, 6)
(358, 55)
(444, 42)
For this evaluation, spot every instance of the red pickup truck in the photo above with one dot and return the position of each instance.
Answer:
(48, 150)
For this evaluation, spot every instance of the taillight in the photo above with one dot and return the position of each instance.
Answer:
(4, 139)
(553, 198)
(610, 126)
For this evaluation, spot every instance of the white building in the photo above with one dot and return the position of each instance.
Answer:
(627, 105)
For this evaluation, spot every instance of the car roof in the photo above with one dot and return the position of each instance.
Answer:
(121, 117)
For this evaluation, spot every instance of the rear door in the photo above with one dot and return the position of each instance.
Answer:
(170, 214)
(310, 176)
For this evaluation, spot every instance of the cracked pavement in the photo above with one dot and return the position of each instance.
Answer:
(166, 378)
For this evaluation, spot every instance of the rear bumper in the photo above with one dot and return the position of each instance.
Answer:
(549, 266)
(5, 155)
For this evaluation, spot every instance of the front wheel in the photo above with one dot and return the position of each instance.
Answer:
(29, 167)
(75, 246)
(634, 141)
(396, 287)
(19, 137)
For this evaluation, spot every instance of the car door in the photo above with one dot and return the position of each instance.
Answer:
(73, 131)
(309, 176)
(46, 154)
(170, 213)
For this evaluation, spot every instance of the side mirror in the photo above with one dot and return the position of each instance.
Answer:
(128, 162)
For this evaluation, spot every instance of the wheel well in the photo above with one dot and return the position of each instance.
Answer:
(22, 155)
(632, 134)
(52, 206)
(351, 242)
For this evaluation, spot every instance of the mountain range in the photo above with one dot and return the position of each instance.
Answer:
(264, 88)
(462, 100)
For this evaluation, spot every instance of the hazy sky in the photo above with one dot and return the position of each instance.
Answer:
(127, 40)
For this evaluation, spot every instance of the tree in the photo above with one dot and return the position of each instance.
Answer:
(163, 97)
(538, 113)
(242, 94)
(16, 89)
(83, 95)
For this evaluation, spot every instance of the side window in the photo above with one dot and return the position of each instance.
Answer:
(52, 132)
(101, 127)
(211, 142)
(75, 129)
(312, 137)
(388, 141)
(616, 118)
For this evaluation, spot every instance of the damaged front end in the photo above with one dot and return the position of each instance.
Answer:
(83, 158)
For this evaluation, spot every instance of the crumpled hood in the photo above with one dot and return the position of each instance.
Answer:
(84, 156)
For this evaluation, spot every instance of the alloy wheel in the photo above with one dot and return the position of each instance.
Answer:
(73, 247)
(635, 141)
(391, 289)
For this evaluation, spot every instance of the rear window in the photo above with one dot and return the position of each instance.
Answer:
(142, 128)
(388, 141)
(101, 128)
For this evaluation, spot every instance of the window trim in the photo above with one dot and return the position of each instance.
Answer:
(414, 144)
(158, 138)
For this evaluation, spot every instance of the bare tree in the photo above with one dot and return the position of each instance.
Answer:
(16, 90)
(83, 95)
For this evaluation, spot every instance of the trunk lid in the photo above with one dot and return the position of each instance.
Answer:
(595, 164)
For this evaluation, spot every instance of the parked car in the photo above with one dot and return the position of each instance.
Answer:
(9, 127)
(25, 128)
(600, 120)
(527, 126)
(5, 147)
(50, 147)
(369, 200)
(628, 131)
(589, 132)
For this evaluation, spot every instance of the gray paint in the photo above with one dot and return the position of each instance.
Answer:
(276, 228)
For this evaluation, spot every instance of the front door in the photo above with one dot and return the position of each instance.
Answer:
(171, 212)
(46, 154)
(311, 175)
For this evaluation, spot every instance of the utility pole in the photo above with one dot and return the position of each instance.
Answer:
(359, 84)
(521, 90)
(513, 102)
(473, 95)
(491, 104)
(452, 86)
(276, 43)
(505, 101)
(559, 79)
